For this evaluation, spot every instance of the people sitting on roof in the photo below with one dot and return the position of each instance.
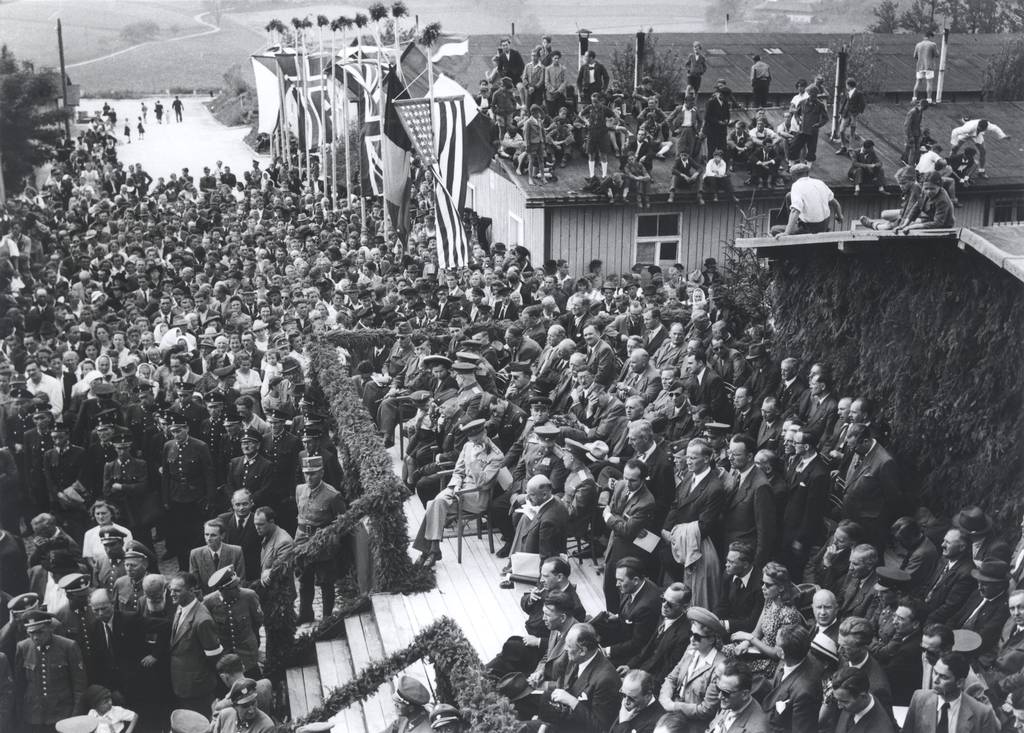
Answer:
(811, 205)
(866, 168)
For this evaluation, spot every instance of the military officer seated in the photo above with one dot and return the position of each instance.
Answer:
(243, 715)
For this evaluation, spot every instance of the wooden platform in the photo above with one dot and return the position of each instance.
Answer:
(467, 592)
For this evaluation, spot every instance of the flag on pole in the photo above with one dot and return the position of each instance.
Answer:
(449, 44)
(386, 151)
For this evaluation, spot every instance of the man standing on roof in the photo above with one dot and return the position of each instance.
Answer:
(973, 131)
(926, 54)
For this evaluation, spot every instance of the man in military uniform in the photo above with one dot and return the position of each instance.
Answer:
(188, 488)
(243, 716)
(212, 432)
(538, 457)
(110, 567)
(251, 471)
(99, 452)
(319, 504)
(236, 612)
(124, 483)
(76, 617)
(62, 465)
(140, 415)
(127, 592)
(410, 698)
(282, 448)
(49, 675)
(102, 401)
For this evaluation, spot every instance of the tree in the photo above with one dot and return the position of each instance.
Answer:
(665, 67)
(886, 18)
(1004, 75)
(30, 125)
(919, 17)
(861, 64)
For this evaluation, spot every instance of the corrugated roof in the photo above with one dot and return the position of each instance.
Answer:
(968, 56)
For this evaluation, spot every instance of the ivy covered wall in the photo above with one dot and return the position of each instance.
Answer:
(936, 336)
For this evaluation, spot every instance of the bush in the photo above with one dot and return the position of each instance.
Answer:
(935, 336)
(140, 31)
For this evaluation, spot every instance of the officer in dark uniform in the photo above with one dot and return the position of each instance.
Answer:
(38, 440)
(128, 594)
(243, 716)
(410, 698)
(49, 675)
(140, 416)
(125, 484)
(76, 617)
(99, 452)
(212, 432)
(238, 615)
(87, 421)
(188, 488)
(319, 504)
(251, 471)
(282, 448)
(62, 466)
(231, 442)
(313, 444)
(110, 567)
(14, 630)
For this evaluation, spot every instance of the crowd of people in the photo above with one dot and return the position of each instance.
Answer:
(765, 566)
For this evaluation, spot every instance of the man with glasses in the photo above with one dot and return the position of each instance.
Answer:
(738, 710)
(639, 710)
(665, 648)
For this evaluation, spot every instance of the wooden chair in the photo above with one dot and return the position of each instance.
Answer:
(462, 517)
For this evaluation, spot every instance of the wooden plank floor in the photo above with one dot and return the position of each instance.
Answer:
(364, 644)
(304, 690)
(334, 661)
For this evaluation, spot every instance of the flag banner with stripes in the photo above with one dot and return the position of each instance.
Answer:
(386, 148)
(450, 179)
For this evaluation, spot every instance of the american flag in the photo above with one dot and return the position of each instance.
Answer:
(441, 145)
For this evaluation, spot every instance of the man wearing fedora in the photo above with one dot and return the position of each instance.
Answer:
(987, 609)
(986, 544)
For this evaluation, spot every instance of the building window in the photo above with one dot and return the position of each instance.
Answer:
(657, 239)
(1007, 211)
(471, 196)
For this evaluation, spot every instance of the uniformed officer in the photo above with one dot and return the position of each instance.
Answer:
(128, 594)
(110, 566)
(538, 458)
(188, 488)
(49, 675)
(282, 448)
(124, 481)
(76, 617)
(237, 613)
(243, 715)
(251, 471)
(318, 504)
(448, 719)
(410, 699)
(14, 630)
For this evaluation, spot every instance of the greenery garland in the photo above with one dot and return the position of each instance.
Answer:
(458, 674)
(375, 494)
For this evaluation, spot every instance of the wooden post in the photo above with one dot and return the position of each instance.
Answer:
(840, 82)
(942, 65)
(63, 80)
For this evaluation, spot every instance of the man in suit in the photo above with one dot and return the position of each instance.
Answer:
(628, 630)
(769, 433)
(746, 417)
(630, 511)
(749, 512)
(1005, 672)
(794, 701)
(855, 636)
(946, 707)
(916, 552)
(600, 356)
(739, 712)
(642, 378)
(690, 691)
(274, 543)
(791, 386)
(986, 543)
(821, 406)
(62, 465)
(700, 497)
(662, 652)
(900, 654)
(803, 525)
(240, 530)
(188, 487)
(741, 601)
(659, 475)
(542, 527)
(194, 647)
(238, 616)
(952, 584)
(217, 554)
(706, 387)
(508, 62)
(859, 710)
(117, 645)
(763, 377)
(586, 695)
(859, 589)
(872, 485)
(986, 610)
(640, 710)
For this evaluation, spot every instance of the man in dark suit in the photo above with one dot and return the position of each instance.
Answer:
(214, 555)
(1006, 671)
(629, 629)
(795, 697)
(520, 348)
(859, 589)
(749, 512)
(508, 62)
(640, 710)
(985, 540)
(763, 377)
(706, 387)
(542, 527)
(740, 603)
(803, 525)
(62, 465)
(737, 704)
(791, 386)
(117, 644)
(700, 497)
(820, 406)
(665, 648)
(600, 356)
(986, 610)
(900, 655)
(194, 647)
(855, 636)
(125, 482)
(918, 554)
(630, 511)
(584, 700)
(746, 417)
(241, 531)
(577, 318)
(859, 710)
(929, 710)
(952, 584)
(872, 485)
(659, 476)
(593, 76)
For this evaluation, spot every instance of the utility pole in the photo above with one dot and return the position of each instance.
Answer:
(63, 80)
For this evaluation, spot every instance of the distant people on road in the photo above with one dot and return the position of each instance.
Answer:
(927, 55)
(177, 106)
(141, 129)
(145, 113)
(158, 110)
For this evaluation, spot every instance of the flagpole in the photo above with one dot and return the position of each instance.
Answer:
(306, 25)
(398, 10)
(345, 24)
(427, 39)
(360, 21)
(377, 14)
(297, 24)
(334, 119)
(321, 21)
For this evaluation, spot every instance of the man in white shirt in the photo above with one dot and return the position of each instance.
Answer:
(974, 131)
(926, 54)
(39, 381)
(716, 178)
(811, 204)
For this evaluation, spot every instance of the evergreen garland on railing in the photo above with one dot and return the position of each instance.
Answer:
(458, 675)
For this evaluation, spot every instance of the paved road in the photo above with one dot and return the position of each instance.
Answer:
(210, 28)
(199, 140)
